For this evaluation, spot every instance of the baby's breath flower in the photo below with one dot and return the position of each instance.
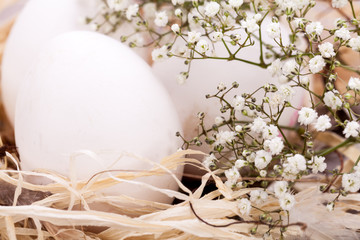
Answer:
(235, 3)
(304, 81)
(343, 33)
(177, 2)
(327, 50)
(132, 11)
(316, 64)
(270, 132)
(232, 174)
(240, 163)
(280, 188)
(181, 78)
(224, 137)
(352, 129)
(331, 100)
(323, 123)
(238, 128)
(262, 159)
(354, 83)
(258, 196)
(117, 5)
(244, 206)
(273, 30)
(287, 91)
(339, 3)
(219, 120)
(161, 19)
(216, 36)
(314, 28)
(263, 173)
(193, 36)
(307, 116)
(289, 67)
(295, 164)
(258, 125)
(211, 9)
(250, 24)
(275, 145)
(238, 103)
(209, 161)
(275, 68)
(330, 206)
(175, 28)
(287, 201)
(178, 12)
(159, 54)
(318, 164)
(354, 43)
(202, 46)
(351, 182)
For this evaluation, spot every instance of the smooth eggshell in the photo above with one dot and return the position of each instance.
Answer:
(88, 91)
(39, 22)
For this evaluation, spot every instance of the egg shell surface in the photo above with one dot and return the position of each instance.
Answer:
(39, 22)
(89, 91)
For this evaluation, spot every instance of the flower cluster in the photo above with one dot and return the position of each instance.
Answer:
(247, 144)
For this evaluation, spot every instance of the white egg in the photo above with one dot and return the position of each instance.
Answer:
(39, 21)
(205, 75)
(88, 91)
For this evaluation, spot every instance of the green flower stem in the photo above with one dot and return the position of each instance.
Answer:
(330, 150)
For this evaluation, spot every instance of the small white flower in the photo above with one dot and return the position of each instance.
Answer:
(238, 128)
(273, 30)
(175, 28)
(314, 28)
(236, 3)
(232, 174)
(193, 36)
(275, 145)
(178, 12)
(280, 188)
(240, 163)
(179, 2)
(354, 83)
(354, 43)
(330, 206)
(244, 206)
(211, 9)
(351, 182)
(216, 36)
(161, 19)
(289, 67)
(318, 164)
(270, 132)
(224, 137)
(339, 3)
(275, 68)
(263, 173)
(258, 196)
(209, 161)
(343, 33)
(219, 120)
(316, 64)
(304, 81)
(132, 11)
(327, 50)
(307, 116)
(276, 100)
(331, 100)
(287, 91)
(351, 129)
(238, 103)
(181, 78)
(262, 159)
(258, 125)
(159, 54)
(202, 46)
(295, 164)
(287, 201)
(297, 22)
(117, 5)
(221, 86)
(323, 123)
(250, 24)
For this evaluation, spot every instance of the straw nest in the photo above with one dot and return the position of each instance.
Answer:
(64, 209)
